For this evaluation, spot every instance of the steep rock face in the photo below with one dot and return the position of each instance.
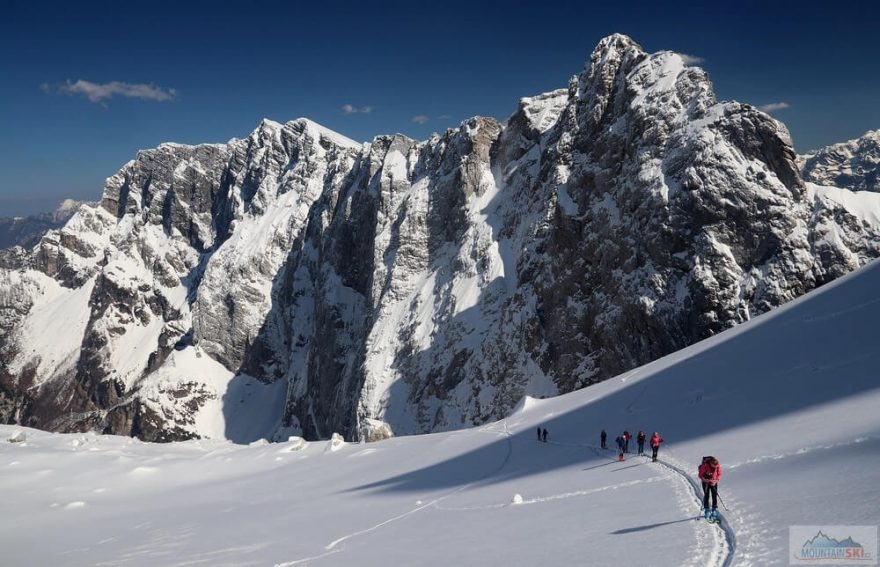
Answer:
(297, 282)
(854, 164)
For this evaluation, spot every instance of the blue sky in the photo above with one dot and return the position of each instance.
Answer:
(71, 110)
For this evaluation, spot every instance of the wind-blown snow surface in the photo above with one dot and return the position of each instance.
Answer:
(787, 402)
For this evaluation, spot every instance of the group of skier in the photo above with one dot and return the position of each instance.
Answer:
(542, 434)
(709, 470)
(623, 439)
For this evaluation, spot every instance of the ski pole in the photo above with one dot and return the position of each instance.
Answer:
(726, 509)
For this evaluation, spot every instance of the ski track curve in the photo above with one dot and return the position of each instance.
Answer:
(332, 548)
(721, 554)
(724, 547)
(725, 542)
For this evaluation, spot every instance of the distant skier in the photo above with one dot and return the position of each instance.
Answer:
(602, 437)
(641, 439)
(655, 445)
(710, 474)
(626, 437)
(539, 434)
(544, 436)
(621, 446)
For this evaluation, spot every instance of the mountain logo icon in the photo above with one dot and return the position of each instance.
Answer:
(822, 540)
(824, 549)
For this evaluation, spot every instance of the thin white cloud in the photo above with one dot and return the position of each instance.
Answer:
(773, 106)
(99, 92)
(420, 119)
(352, 109)
(691, 59)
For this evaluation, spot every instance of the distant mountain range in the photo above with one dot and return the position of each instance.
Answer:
(27, 231)
(854, 164)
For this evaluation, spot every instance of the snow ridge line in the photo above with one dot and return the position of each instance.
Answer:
(331, 547)
(729, 550)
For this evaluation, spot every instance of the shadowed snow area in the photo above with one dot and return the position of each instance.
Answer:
(787, 402)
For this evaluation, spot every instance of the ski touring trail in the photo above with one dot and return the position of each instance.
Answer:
(334, 546)
(724, 539)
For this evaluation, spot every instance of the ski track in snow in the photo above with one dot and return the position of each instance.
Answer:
(724, 540)
(801, 451)
(721, 553)
(552, 497)
(332, 548)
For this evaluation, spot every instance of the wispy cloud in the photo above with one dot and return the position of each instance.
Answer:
(773, 106)
(420, 119)
(691, 59)
(99, 92)
(352, 109)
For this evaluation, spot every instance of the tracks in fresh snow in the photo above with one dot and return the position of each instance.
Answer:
(724, 538)
(724, 546)
(725, 541)
(333, 546)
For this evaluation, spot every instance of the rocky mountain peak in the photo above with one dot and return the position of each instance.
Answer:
(854, 163)
(298, 282)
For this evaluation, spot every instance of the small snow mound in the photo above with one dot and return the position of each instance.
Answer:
(259, 443)
(75, 505)
(517, 499)
(18, 436)
(364, 452)
(336, 442)
(294, 443)
(141, 471)
(525, 403)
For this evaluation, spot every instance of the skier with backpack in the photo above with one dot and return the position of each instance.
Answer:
(641, 440)
(710, 475)
(602, 437)
(626, 437)
(621, 445)
(655, 445)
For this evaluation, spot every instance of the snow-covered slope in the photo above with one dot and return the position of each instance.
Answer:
(854, 164)
(418, 286)
(786, 401)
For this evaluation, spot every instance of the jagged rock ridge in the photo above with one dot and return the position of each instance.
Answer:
(854, 164)
(297, 282)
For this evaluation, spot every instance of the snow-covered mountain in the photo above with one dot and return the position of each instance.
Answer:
(296, 281)
(854, 164)
(26, 231)
(787, 402)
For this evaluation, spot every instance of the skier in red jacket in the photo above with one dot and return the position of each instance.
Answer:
(710, 474)
(655, 445)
